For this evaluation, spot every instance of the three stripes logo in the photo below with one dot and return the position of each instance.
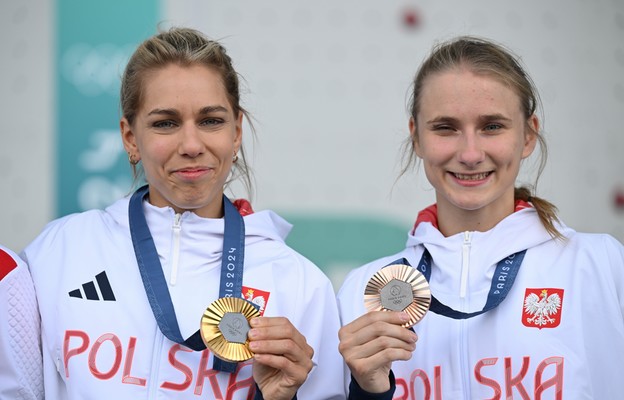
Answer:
(91, 289)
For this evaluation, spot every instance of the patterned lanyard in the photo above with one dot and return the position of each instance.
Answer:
(502, 282)
(154, 278)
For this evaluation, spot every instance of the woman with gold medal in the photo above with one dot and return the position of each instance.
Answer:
(520, 305)
(177, 292)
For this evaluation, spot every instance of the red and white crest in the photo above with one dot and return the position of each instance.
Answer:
(256, 296)
(542, 308)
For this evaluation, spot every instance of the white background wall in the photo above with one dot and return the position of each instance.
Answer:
(328, 84)
(26, 112)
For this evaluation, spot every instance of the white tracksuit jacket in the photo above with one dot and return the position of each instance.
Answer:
(512, 352)
(95, 347)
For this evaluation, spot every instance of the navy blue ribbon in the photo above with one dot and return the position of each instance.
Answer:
(154, 279)
(502, 282)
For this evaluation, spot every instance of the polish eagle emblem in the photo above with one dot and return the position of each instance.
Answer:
(542, 308)
(258, 297)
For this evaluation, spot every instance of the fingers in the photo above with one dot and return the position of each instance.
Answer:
(371, 343)
(295, 372)
(282, 359)
(391, 317)
(378, 330)
(277, 336)
(383, 347)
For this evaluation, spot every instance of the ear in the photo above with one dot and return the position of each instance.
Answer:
(129, 139)
(530, 135)
(238, 138)
(414, 137)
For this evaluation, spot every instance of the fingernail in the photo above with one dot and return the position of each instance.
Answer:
(404, 316)
(253, 345)
(252, 333)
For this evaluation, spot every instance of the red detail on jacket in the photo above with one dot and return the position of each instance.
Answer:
(243, 207)
(7, 264)
(430, 214)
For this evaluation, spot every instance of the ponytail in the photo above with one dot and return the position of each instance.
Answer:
(546, 211)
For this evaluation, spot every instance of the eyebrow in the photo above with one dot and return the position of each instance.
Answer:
(482, 118)
(173, 112)
(211, 109)
(494, 117)
(441, 119)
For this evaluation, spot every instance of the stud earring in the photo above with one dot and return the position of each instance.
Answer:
(132, 160)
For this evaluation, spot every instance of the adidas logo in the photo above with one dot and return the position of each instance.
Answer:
(90, 289)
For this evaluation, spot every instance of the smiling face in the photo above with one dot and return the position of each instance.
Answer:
(186, 134)
(471, 135)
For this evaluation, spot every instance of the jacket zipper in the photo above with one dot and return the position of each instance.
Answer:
(159, 337)
(465, 265)
(155, 367)
(177, 228)
(464, 356)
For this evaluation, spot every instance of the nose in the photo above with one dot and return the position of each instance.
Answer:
(191, 143)
(470, 152)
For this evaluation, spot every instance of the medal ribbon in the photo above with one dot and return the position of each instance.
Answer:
(154, 280)
(502, 282)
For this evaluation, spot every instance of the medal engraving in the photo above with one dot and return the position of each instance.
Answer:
(234, 327)
(396, 295)
(399, 287)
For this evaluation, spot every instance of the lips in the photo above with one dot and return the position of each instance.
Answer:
(192, 172)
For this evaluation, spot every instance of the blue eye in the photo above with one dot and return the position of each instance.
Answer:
(164, 124)
(492, 127)
(212, 121)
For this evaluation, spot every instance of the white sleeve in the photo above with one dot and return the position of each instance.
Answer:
(615, 253)
(350, 299)
(319, 323)
(21, 367)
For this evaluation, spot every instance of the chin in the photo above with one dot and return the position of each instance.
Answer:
(467, 205)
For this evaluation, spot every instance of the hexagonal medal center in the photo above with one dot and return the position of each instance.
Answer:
(234, 327)
(396, 295)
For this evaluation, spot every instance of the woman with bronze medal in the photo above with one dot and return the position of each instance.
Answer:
(176, 292)
(502, 299)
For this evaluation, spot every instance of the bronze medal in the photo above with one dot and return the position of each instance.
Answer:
(224, 328)
(399, 287)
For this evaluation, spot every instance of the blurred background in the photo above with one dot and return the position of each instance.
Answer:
(328, 85)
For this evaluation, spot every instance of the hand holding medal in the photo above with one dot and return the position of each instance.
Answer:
(224, 327)
(399, 287)
(371, 343)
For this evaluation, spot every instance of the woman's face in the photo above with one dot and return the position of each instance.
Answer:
(472, 137)
(185, 134)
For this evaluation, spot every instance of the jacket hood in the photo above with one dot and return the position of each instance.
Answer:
(519, 231)
(258, 225)
(474, 255)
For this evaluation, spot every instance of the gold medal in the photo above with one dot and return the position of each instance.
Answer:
(224, 328)
(399, 287)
